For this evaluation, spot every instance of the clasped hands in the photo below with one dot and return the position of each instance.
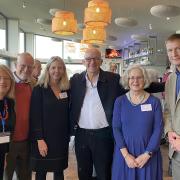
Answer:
(174, 140)
(138, 162)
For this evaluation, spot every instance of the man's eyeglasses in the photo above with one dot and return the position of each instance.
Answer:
(92, 59)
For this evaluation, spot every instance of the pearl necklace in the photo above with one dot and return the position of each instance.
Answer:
(140, 101)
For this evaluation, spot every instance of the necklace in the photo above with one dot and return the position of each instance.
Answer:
(140, 101)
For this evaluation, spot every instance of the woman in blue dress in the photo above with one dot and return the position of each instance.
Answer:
(137, 128)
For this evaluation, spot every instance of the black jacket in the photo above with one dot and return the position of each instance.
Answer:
(108, 87)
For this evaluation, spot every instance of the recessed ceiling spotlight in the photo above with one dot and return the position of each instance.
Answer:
(43, 21)
(53, 11)
(167, 18)
(125, 22)
(165, 10)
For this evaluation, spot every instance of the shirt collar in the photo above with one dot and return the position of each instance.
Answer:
(18, 80)
(89, 83)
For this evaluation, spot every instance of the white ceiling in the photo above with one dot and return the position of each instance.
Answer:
(137, 9)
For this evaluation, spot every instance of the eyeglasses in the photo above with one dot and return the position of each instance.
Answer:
(92, 59)
(138, 78)
(23, 66)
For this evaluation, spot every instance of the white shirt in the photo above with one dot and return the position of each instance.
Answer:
(92, 114)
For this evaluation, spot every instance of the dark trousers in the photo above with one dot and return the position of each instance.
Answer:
(41, 175)
(18, 159)
(2, 158)
(94, 147)
(3, 151)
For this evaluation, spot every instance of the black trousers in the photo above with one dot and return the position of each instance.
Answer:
(2, 158)
(41, 175)
(18, 160)
(94, 147)
(3, 151)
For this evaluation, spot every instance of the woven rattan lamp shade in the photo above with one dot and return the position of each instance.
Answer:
(94, 35)
(97, 13)
(64, 23)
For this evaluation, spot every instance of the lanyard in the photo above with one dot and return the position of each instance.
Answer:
(4, 115)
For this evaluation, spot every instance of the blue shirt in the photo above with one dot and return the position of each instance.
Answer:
(177, 83)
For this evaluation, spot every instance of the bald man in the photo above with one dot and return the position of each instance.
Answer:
(93, 94)
(19, 146)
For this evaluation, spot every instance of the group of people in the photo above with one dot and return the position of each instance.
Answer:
(117, 125)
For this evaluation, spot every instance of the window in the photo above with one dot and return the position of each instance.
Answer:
(2, 33)
(45, 47)
(73, 50)
(74, 68)
(21, 42)
(3, 61)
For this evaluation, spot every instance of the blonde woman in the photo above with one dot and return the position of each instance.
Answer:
(7, 113)
(49, 121)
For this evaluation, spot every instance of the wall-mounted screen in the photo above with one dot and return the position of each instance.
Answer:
(113, 53)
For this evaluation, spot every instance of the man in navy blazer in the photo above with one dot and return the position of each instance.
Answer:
(93, 93)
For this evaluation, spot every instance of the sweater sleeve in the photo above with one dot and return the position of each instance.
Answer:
(154, 142)
(117, 125)
(36, 114)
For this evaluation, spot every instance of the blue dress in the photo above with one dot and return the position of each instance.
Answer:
(137, 128)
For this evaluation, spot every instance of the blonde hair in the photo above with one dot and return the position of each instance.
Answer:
(125, 77)
(10, 93)
(44, 79)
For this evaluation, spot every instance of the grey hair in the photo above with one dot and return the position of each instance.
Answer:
(125, 77)
(153, 75)
(44, 79)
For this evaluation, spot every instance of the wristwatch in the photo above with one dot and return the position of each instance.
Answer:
(149, 153)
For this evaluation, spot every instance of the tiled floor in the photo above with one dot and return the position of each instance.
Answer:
(71, 172)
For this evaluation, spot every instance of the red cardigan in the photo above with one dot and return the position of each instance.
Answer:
(23, 93)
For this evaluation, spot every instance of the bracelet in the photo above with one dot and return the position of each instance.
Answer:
(149, 153)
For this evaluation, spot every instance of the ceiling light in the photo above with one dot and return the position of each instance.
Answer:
(165, 11)
(64, 23)
(97, 13)
(167, 18)
(94, 35)
(43, 21)
(24, 5)
(125, 22)
(53, 11)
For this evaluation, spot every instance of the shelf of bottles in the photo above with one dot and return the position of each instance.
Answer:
(138, 53)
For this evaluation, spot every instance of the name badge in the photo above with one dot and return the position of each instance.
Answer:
(63, 95)
(4, 138)
(146, 107)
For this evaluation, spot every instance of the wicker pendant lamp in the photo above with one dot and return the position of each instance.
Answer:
(64, 23)
(97, 13)
(94, 35)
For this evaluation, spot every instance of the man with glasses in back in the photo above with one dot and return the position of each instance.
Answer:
(18, 156)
